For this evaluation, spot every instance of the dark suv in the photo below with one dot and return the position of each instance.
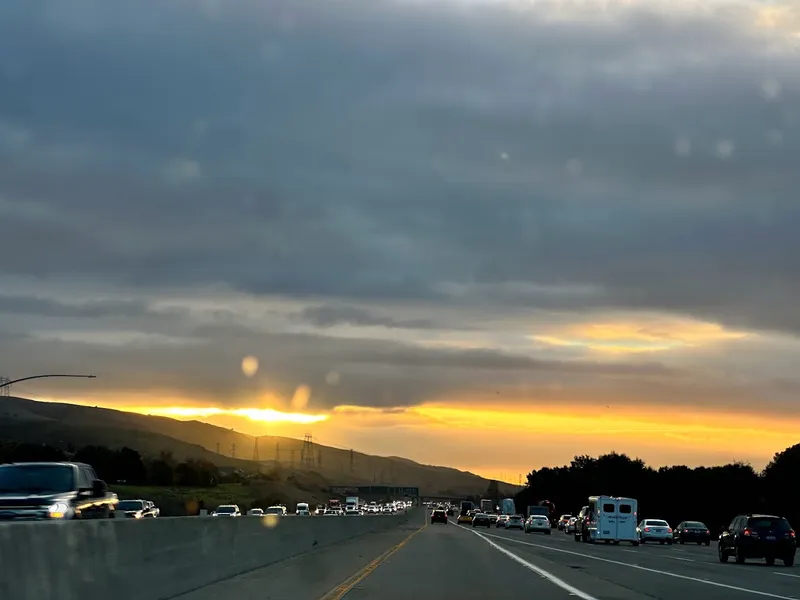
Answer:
(439, 516)
(582, 525)
(482, 519)
(758, 536)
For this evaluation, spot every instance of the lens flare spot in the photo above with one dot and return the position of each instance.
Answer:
(270, 521)
(301, 397)
(332, 378)
(249, 366)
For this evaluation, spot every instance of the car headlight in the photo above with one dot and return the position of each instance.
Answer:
(58, 510)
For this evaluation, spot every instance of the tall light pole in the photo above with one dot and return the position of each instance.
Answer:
(7, 383)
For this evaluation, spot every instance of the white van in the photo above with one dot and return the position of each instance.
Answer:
(302, 509)
(613, 519)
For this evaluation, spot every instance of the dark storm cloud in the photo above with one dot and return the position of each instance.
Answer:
(325, 316)
(486, 159)
(46, 307)
(311, 153)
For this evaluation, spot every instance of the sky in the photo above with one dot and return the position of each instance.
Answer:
(489, 234)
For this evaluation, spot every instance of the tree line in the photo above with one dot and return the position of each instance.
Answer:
(713, 495)
(123, 465)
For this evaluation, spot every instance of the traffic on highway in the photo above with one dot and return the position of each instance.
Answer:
(607, 550)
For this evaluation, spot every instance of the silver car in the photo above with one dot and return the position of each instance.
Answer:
(654, 530)
(515, 522)
(538, 524)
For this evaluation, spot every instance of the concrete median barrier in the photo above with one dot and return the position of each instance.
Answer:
(157, 559)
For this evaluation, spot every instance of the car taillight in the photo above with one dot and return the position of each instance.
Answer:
(669, 529)
(747, 532)
(708, 532)
(647, 529)
(790, 534)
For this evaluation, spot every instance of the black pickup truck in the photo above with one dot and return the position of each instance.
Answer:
(39, 491)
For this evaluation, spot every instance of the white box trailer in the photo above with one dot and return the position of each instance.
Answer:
(613, 519)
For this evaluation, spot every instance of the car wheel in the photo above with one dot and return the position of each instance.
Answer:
(739, 556)
(788, 561)
(723, 558)
(635, 543)
(669, 542)
(708, 543)
(547, 532)
(770, 560)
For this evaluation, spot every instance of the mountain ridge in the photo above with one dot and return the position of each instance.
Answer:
(60, 424)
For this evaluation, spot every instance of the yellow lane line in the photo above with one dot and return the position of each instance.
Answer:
(339, 591)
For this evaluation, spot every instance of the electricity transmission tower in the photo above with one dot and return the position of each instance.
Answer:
(307, 452)
(256, 439)
(5, 387)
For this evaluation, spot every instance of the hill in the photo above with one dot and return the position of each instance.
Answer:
(60, 424)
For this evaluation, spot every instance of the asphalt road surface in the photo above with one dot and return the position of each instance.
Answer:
(450, 561)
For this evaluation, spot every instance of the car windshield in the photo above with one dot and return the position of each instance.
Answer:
(36, 479)
(656, 523)
(130, 505)
(695, 525)
(274, 510)
(226, 509)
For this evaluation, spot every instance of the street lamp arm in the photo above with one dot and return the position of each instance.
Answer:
(7, 383)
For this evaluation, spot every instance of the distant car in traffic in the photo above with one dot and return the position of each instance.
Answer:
(538, 524)
(654, 530)
(515, 522)
(501, 521)
(439, 516)
(227, 510)
(692, 531)
(132, 509)
(570, 528)
(482, 519)
(562, 522)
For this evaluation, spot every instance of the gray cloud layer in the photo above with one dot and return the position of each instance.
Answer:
(369, 156)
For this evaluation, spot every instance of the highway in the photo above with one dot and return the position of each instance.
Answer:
(450, 561)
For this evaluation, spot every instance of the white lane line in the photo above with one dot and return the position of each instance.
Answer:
(538, 570)
(649, 570)
(786, 574)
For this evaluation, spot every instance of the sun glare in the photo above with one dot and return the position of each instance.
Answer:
(265, 415)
